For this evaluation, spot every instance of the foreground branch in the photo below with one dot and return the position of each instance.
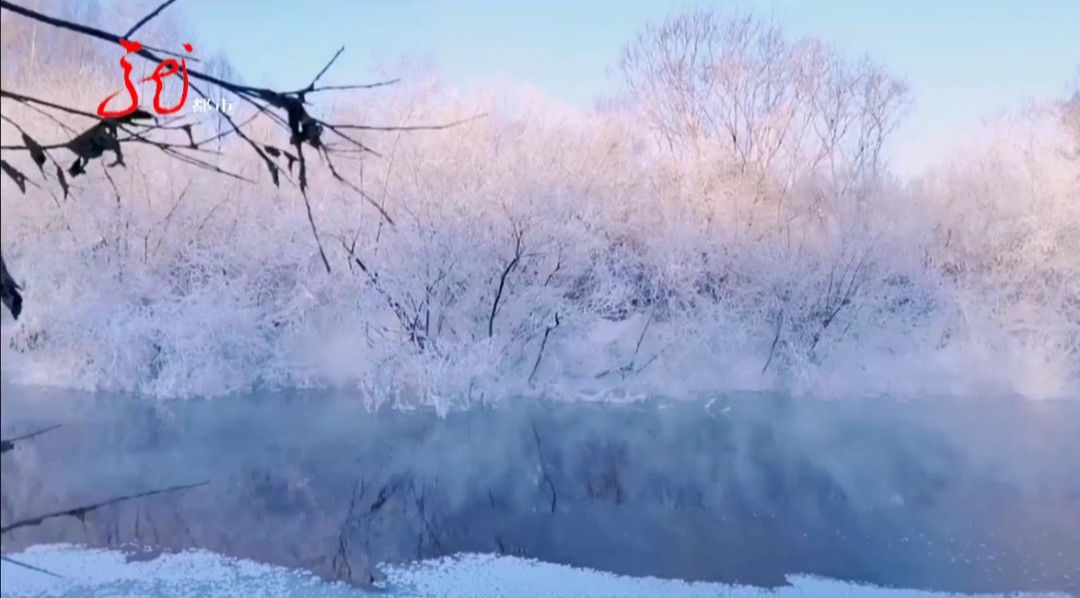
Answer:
(8, 559)
(8, 444)
(81, 512)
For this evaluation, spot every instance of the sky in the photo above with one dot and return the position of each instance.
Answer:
(965, 60)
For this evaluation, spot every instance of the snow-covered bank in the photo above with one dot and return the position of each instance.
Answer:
(94, 572)
(743, 490)
(201, 574)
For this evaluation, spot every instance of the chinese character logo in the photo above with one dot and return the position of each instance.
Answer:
(167, 68)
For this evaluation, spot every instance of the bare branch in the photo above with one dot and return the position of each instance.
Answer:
(26, 566)
(286, 109)
(502, 282)
(81, 512)
(147, 18)
(543, 345)
(440, 127)
(353, 87)
(775, 340)
(8, 444)
(311, 85)
(28, 99)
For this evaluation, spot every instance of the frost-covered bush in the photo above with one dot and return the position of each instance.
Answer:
(544, 249)
(1004, 233)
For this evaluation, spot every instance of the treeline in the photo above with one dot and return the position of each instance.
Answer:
(730, 222)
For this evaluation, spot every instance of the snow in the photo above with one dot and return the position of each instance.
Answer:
(205, 574)
(645, 274)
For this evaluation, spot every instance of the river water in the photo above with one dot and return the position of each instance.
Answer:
(737, 493)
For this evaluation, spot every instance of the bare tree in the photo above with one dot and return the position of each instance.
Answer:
(777, 107)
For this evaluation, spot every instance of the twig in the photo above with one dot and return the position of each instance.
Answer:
(27, 566)
(409, 127)
(543, 344)
(311, 86)
(81, 512)
(363, 194)
(147, 18)
(28, 99)
(502, 284)
(302, 127)
(8, 444)
(352, 87)
(775, 340)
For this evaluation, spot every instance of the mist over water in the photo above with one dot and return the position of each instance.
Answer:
(942, 493)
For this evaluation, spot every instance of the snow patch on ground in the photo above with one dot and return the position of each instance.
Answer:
(202, 574)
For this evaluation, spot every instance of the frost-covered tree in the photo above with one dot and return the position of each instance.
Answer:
(766, 104)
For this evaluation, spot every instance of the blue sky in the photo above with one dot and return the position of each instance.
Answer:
(966, 60)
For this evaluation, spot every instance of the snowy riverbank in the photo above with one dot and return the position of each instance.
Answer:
(200, 574)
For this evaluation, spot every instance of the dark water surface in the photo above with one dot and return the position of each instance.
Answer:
(943, 494)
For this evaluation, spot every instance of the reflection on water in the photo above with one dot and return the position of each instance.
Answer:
(942, 494)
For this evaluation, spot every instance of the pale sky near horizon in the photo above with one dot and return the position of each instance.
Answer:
(966, 60)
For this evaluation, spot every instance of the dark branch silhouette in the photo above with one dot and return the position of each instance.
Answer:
(8, 559)
(518, 248)
(81, 512)
(9, 290)
(148, 18)
(103, 137)
(9, 443)
(286, 109)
